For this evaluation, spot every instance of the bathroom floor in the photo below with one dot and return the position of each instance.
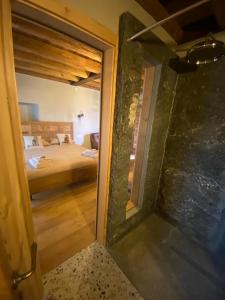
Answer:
(90, 275)
(163, 264)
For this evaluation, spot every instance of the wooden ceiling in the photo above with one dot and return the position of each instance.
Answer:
(43, 52)
(209, 17)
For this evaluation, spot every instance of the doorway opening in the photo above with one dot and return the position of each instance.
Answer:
(59, 93)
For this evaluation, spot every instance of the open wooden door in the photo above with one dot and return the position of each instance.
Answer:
(17, 248)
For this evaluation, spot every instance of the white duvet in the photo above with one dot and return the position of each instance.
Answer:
(63, 158)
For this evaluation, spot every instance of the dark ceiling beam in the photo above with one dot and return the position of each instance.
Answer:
(192, 16)
(174, 5)
(219, 10)
(195, 23)
(158, 12)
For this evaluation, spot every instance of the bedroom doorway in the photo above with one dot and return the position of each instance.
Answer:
(64, 203)
(59, 95)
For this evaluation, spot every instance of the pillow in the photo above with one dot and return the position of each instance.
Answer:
(67, 139)
(31, 141)
(54, 141)
(45, 143)
(64, 138)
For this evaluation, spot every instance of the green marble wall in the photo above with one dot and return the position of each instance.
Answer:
(132, 57)
(192, 189)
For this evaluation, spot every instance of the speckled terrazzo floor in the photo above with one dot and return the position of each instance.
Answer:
(90, 274)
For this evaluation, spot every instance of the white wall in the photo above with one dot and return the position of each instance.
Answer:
(107, 13)
(62, 102)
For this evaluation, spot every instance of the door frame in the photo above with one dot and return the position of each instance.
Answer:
(106, 41)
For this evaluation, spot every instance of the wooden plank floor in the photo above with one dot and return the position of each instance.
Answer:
(64, 222)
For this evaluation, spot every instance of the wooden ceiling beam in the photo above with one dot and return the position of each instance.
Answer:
(93, 87)
(200, 13)
(158, 12)
(43, 62)
(55, 38)
(92, 84)
(32, 73)
(44, 71)
(87, 80)
(45, 50)
(219, 10)
(189, 17)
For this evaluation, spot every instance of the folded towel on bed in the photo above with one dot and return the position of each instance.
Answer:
(39, 161)
(90, 153)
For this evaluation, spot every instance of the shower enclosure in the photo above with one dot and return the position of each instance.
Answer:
(172, 246)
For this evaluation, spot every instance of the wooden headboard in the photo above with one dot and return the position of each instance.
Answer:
(47, 129)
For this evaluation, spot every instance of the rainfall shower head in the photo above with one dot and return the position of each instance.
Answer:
(205, 52)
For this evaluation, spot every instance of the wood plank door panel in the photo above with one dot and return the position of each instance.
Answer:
(16, 229)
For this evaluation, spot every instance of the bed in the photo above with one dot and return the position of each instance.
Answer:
(65, 164)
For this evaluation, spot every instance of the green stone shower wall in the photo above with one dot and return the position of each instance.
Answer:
(132, 57)
(192, 189)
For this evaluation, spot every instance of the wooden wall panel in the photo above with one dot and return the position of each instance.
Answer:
(46, 129)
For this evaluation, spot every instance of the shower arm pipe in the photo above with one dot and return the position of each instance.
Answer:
(178, 13)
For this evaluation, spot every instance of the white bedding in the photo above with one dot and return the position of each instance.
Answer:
(64, 157)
